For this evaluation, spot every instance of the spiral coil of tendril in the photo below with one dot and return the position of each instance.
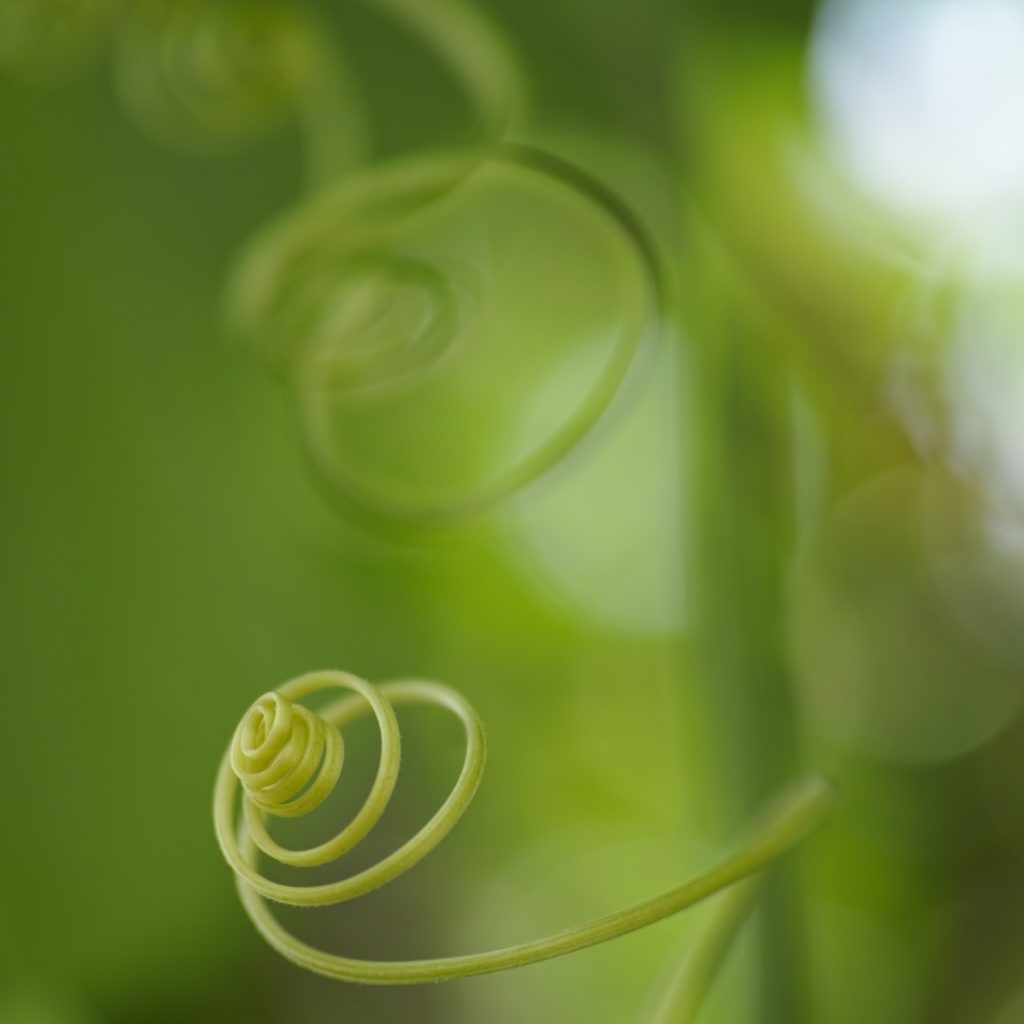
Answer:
(345, 300)
(331, 296)
(203, 76)
(52, 39)
(286, 759)
(206, 74)
(381, 307)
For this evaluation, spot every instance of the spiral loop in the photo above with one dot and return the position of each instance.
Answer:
(283, 750)
(287, 759)
(47, 40)
(436, 367)
(202, 75)
(282, 757)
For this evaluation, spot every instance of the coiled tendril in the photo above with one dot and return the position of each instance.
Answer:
(48, 40)
(436, 366)
(287, 759)
(451, 325)
(201, 75)
(204, 75)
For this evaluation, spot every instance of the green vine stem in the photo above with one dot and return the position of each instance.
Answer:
(287, 759)
(737, 390)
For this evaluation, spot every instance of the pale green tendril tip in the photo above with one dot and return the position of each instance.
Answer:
(287, 759)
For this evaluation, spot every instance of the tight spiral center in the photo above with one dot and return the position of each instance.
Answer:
(286, 757)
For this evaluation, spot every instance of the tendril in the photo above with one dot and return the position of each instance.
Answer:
(204, 76)
(387, 301)
(47, 40)
(287, 759)
(349, 301)
(474, 53)
(697, 970)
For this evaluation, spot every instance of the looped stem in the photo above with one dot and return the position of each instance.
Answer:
(789, 819)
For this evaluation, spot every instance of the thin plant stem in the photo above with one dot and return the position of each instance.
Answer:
(701, 963)
(474, 53)
(330, 115)
(280, 754)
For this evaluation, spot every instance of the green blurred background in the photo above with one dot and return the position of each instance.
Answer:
(795, 539)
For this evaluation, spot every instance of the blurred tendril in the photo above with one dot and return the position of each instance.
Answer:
(204, 77)
(475, 54)
(360, 322)
(51, 40)
(287, 760)
(423, 289)
(389, 285)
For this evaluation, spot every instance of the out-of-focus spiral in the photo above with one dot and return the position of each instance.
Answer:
(205, 74)
(49, 40)
(287, 759)
(451, 325)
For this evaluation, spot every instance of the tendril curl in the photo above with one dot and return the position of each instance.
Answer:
(377, 330)
(51, 40)
(286, 759)
(388, 299)
(203, 75)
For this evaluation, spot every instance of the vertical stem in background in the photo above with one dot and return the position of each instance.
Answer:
(736, 392)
